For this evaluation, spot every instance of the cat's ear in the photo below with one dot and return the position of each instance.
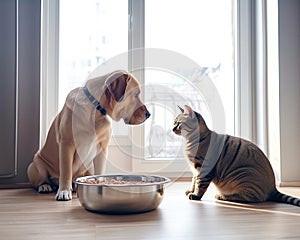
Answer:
(189, 111)
(181, 109)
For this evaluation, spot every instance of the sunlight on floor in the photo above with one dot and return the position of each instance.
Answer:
(266, 207)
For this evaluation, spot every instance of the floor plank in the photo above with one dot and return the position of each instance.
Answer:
(26, 214)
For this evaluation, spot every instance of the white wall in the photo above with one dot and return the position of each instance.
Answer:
(289, 89)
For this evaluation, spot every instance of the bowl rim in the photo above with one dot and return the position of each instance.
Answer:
(165, 181)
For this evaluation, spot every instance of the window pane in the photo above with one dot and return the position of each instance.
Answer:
(91, 32)
(201, 30)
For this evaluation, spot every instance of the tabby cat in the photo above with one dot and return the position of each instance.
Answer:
(238, 168)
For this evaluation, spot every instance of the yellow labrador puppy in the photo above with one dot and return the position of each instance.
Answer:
(78, 138)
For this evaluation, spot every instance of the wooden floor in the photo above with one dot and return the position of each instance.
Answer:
(26, 214)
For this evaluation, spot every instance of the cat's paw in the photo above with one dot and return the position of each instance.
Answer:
(220, 197)
(193, 196)
(187, 192)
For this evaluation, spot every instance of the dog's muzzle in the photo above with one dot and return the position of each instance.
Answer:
(139, 116)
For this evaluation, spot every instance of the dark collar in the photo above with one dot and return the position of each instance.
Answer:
(94, 101)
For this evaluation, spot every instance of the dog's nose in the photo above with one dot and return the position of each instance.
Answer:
(147, 114)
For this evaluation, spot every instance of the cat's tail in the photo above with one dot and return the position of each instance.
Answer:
(277, 196)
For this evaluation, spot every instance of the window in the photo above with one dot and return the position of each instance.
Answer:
(93, 32)
(202, 31)
(200, 34)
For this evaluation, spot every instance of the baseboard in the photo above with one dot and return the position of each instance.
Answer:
(15, 186)
(288, 184)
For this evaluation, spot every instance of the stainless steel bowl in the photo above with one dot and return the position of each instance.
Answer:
(146, 195)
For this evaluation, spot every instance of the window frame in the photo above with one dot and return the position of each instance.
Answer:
(49, 65)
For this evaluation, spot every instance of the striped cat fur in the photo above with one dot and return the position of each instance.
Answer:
(239, 169)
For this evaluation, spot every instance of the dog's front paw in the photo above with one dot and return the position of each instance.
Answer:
(45, 188)
(193, 196)
(63, 195)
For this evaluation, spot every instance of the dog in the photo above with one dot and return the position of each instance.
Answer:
(78, 138)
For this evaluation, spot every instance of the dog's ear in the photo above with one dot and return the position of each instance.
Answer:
(116, 86)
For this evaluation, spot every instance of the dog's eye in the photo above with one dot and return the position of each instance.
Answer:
(137, 94)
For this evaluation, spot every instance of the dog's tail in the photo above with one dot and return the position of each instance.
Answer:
(277, 196)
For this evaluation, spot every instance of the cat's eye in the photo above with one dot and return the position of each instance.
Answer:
(176, 122)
